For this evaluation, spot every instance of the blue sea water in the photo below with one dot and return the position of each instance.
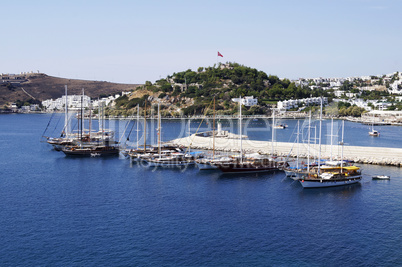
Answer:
(63, 211)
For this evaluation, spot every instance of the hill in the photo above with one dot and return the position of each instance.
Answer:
(191, 92)
(38, 87)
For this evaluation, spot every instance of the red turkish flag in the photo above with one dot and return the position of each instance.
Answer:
(219, 54)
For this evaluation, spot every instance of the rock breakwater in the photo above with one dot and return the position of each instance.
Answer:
(367, 155)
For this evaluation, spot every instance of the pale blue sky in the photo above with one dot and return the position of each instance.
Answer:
(136, 41)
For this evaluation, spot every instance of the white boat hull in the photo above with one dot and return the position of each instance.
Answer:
(293, 174)
(206, 166)
(381, 177)
(318, 183)
(168, 164)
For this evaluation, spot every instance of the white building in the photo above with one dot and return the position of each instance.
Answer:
(247, 101)
(74, 102)
(289, 104)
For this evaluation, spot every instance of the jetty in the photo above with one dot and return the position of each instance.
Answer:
(359, 154)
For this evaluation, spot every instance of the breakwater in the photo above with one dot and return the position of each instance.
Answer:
(358, 154)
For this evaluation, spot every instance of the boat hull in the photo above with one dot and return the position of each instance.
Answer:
(167, 164)
(381, 177)
(91, 152)
(293, 174)
(206, 166)
(319, 183)
(246, 168)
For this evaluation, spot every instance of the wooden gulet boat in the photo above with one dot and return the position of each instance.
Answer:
(329, 176)
(176, 159)
(106, 147)
(248, 165)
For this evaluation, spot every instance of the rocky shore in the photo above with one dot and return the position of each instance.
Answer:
(358, 154)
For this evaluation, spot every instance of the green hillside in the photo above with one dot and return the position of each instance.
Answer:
(191, 92)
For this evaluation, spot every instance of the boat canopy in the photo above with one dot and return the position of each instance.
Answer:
(351, 168)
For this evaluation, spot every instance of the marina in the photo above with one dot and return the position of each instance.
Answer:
(96, 207)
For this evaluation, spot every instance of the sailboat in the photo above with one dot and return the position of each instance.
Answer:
(147, 152)
(247, 163)
(175, 159)
(211, 163)
(373, 132)
(66, 138)
(327, 175)
(294, 171)
(104, 146)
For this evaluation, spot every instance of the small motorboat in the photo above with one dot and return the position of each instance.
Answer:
(381, 177)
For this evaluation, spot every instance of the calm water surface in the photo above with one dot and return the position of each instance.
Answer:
(58, 211)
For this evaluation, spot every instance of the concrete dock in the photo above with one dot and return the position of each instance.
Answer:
(358, 154)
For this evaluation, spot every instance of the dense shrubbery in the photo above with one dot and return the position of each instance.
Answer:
(353, 111)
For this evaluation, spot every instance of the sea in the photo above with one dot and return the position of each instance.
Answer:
(66, 211)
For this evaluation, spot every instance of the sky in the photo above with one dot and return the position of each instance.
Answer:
(138, 41)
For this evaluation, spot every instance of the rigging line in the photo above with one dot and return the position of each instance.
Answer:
(291, 149)
(76, 122)
(128, 136)
(56, 124)
(294, 129)
(128, 123)
(51, 117)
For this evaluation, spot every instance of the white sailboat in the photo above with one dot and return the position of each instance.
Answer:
(373, 132)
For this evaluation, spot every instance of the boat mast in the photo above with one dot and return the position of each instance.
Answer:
(343, 129)
(82, 115)
(103, 120)
(308, 142)
(213, 134)
(298, 145)
(273, 132)
(159, 131)
(90, 121)
(66, 114)
(315, 142)
(189, 134)
(241, 139)
(99, 114)
(332, 134)
(138, 120)
(319, 138)
(145, 126)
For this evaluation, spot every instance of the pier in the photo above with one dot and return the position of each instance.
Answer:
(359, 154)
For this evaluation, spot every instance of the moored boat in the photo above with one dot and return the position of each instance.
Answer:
(374, 133)
(172, 160)
(99, 150)
(332, 176)
(211, 163)
(381, 177)
(248, 166)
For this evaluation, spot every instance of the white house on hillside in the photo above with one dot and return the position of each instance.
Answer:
(247, 101)
(288, 104)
